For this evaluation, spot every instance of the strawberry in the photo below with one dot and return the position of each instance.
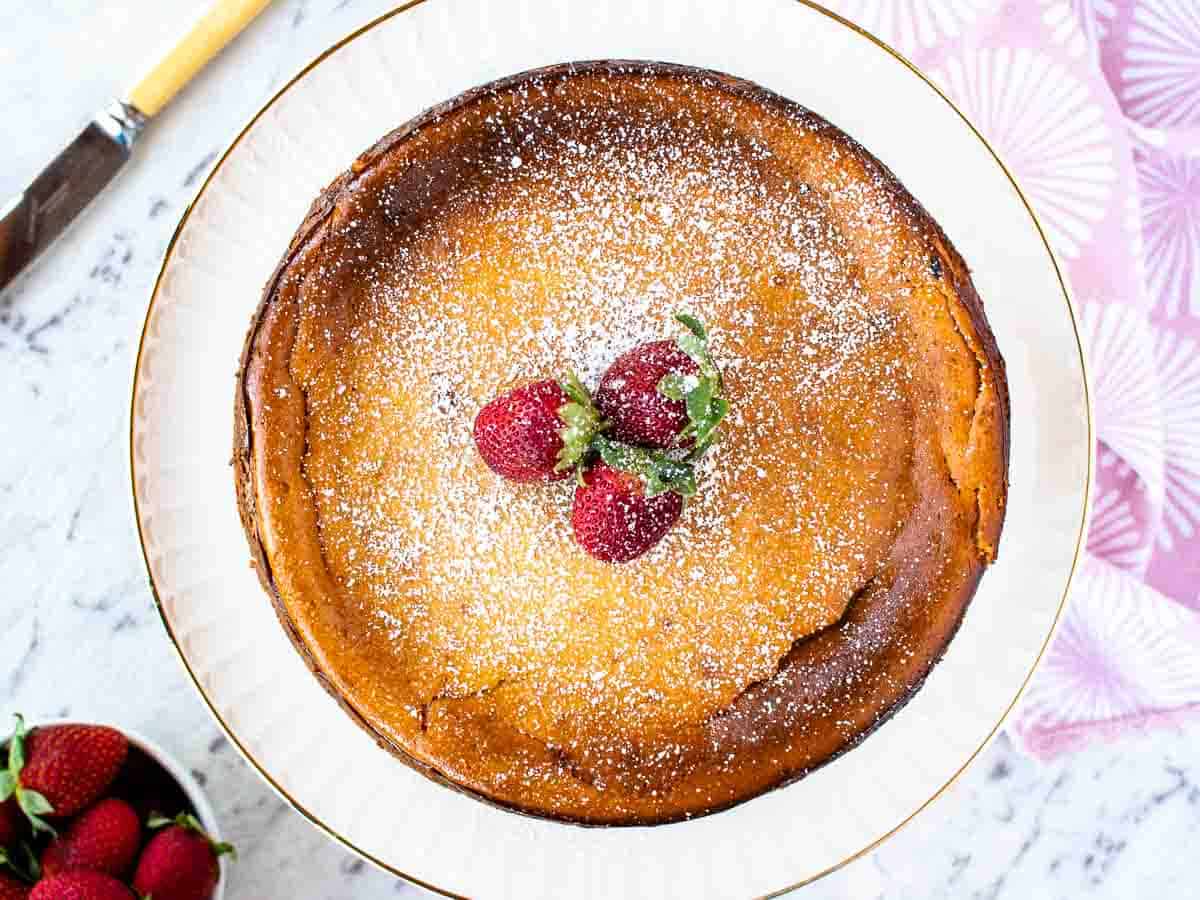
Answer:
(105, 839)
(81, 885)
(180, 862)
(617, 516)
(11, 889)
(536, 432)
(665, 393)
(12, 823)
(629, 396)
(61, 769)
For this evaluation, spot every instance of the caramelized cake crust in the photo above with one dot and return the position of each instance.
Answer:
(546, 223)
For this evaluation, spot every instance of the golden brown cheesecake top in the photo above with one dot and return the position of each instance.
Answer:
(548, 223)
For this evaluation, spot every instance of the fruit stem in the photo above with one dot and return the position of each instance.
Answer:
(31, 803)
(581, 423)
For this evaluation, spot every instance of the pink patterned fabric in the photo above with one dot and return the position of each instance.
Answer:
(1095, 106)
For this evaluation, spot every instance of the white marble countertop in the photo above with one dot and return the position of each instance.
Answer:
(79, 635)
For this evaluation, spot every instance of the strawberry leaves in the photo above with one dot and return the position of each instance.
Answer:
(583, 436)
(659, 472)
(33, 804)
(701, 394)
(633, 447)
(582, 423)
(583, 432)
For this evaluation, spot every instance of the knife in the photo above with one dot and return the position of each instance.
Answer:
(32, 220)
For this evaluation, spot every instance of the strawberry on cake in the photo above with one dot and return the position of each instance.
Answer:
(618, 441)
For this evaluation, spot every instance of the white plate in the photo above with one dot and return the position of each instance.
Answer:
(226, 631)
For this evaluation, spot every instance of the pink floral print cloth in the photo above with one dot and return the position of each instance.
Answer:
(1095, 107)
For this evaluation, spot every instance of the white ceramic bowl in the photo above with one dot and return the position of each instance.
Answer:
(195, 794)
(275, 712)
(182, 777)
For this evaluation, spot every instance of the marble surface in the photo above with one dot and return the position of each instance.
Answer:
(79, 635)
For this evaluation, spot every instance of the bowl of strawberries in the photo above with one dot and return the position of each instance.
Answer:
(90, 812)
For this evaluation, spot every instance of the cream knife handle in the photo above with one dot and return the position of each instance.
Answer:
(208, 36)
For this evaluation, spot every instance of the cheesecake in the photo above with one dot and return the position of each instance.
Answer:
(548, 223)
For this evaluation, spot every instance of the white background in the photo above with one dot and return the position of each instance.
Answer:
(78, 634)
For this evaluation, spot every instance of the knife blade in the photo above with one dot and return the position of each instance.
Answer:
(33, 219)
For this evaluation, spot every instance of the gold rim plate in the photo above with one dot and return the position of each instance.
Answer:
(261, 769)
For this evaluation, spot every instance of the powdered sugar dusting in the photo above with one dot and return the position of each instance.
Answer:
(561, 235)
